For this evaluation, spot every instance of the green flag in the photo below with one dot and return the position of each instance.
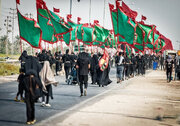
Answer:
(74, 29)
(59, 27)
(88, 34)
(114, 16)
(125, 27)
(79, 32)
(66, 38)
(99, 33)
(29, 30)
(48, 34)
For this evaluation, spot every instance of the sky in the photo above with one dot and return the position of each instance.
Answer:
(162, 13)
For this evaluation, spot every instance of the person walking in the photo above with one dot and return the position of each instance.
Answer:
(31, 83)
(169, 67)
(32, 86)
(162, 62)
(67, 63)
(93, 69)
(20, 86)
(83, 66)
(119, 60)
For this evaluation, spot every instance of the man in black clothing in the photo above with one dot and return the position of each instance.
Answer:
(133, 65)
(127, 66)
(67, 63)
(94, 63)
(162, 62)
(57, 58)
(83, 66)
(22, 58)
(169, 67)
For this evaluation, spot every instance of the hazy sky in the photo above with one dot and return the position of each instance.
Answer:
(163, 13)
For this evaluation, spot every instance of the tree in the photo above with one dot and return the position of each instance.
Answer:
(17, 45)
(3, 40)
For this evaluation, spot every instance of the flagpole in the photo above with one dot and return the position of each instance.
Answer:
(89, 11)
(19, 30)
(104, 12)
(70, 6)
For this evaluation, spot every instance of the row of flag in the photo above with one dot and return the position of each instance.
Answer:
(52, 28)
(137, 35)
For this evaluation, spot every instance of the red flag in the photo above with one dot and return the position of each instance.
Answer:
(104, 61)
(111, 6)
(78, 20)
(56, 10)
(96, 22)
(117, 3)
(69, 16)
(18, 1)
(40, 4)
(143, 18)
(130, 13)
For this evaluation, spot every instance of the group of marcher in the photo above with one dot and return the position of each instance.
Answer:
(37, 73)
(129, 66)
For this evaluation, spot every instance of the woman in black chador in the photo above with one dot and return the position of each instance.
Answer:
(32, 86)
(103, 76)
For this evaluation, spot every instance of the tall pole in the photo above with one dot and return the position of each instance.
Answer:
(7, 24)
(0, 9)
(89, 11)
(13, 18)
(104, 12)
(70, 6)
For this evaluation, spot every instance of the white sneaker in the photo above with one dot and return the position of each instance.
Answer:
(42, 104)
(48, 105)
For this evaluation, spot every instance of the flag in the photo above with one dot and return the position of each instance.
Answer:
(69, 16)
(104, 61)
(96, 22)
(40, 4)
(99, 33)
(113, 18)
(126, 27)
(56, 10)
(88, 34)
(59, 27)
(130, 13)
(111, 6)
(18, 1)
(66, 38)
(29, 30)
(143, 18)
(74, 29)
(48, 33)
(78, 20)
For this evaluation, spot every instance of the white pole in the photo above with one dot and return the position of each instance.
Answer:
(90, 12)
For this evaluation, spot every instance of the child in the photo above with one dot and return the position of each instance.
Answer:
(20, 86)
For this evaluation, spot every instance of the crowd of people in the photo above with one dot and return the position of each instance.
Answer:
(37, 73)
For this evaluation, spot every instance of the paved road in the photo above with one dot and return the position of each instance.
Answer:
(65, 97)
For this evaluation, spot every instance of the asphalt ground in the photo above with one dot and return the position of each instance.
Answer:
(65, 97)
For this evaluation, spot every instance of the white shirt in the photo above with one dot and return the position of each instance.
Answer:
(120, 60)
